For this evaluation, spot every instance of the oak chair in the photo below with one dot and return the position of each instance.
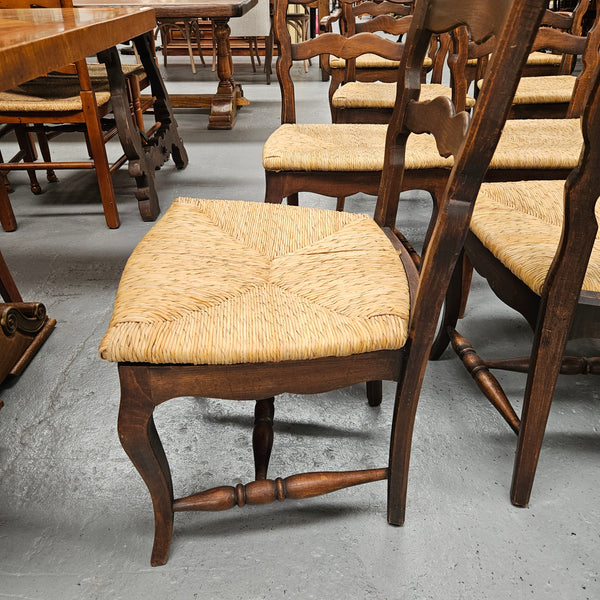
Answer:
(390, 18)
(536, 244)
(373, 102)
(327, 299)
(548, 60)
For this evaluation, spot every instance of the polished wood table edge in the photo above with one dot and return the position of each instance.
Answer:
(45, 46)
(208, 9)
(32, 43)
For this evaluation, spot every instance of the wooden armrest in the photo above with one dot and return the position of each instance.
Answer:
(326, 22)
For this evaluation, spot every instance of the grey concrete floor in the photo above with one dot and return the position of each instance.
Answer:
(76, 519)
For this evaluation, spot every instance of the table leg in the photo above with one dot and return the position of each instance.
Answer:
(224, 104)
(8, 287)
(24, 326)
(145, 154)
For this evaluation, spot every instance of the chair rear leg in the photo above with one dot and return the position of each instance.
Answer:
(456, 299)
(25, 141)
(45, 152)
(95, 138)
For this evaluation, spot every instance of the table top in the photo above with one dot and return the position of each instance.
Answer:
(36, 41)
(204, 9)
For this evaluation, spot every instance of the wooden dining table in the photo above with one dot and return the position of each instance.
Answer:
(229, 95)
(34, 42)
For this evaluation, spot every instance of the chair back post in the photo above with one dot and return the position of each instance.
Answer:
(590, 60)
(515, 25)
(577, 16)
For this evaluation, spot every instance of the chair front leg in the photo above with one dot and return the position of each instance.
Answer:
(140, 441)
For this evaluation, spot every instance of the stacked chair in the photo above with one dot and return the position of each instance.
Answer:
(247, 301)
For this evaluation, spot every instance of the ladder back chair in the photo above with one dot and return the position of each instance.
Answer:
(82, 97)
(341, 159)
(536, 243)
(373, 102)
(390, 18)
(561, 95)
(327, 299)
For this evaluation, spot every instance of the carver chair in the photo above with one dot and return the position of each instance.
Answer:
(536, 244)
(246, 301)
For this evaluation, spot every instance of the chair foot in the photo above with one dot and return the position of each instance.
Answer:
(374, 393)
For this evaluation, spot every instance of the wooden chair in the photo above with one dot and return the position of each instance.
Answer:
(536, 244)
(562, 95)
(326, 299)
(341, 159)
(547, 60)
(388, 18)
(373, 102)
(189, 30)
(80, 97)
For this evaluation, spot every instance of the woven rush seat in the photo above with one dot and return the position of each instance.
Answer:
(342, 147)
(543, 58)
(226, 282)
(543, 89)
(51, 94)
(372, 61)
(520, 223)
(379, 94)
(59, 92)
(98, 70)
(360, 147)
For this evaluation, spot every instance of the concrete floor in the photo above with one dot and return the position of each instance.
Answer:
(76, 519)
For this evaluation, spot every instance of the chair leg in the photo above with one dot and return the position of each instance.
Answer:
(187, 34)
(7, 216)
(251, 53)
(292, 199)
(42, 139)
(197, 34)
(269, 56)
(455, 301)
(374, 393)
(262, 436)
(26, 145)
(140, 441)
(95, 139)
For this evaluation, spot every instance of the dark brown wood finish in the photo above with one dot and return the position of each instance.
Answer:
(562, 312)
(337, 184)
(145, 386)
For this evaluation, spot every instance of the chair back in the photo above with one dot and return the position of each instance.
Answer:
(470, 140)
(347, 47)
